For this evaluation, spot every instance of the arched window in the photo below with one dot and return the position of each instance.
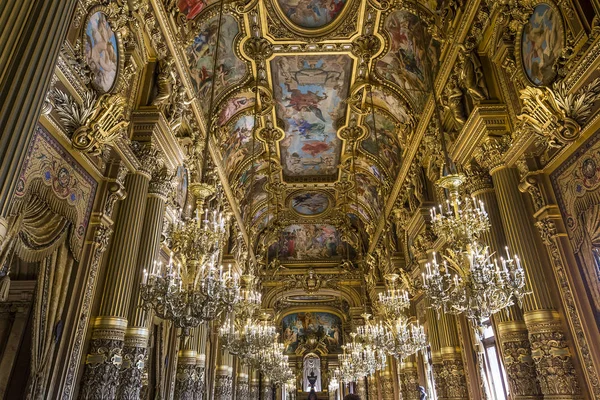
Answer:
(312, 367)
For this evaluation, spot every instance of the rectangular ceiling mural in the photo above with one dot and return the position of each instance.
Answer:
(310, 93)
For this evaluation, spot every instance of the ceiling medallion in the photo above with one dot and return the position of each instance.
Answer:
(309, 203)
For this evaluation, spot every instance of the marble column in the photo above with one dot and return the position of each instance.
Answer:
(31, 36)
(101, 376)
(550, 352)
(409, 379)
(510, 329)
(136, 336)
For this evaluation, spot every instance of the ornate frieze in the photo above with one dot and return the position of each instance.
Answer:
(186, 386)
(223, 387)
(453, 375)
(517, 360)
(131, 372)
(101, 376)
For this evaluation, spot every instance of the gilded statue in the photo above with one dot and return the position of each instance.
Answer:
(472, 77)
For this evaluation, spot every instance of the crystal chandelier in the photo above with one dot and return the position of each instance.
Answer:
(334, 383)
(462, 219)
(197, 290)
(393, 302)
(409, 338)
(274, 364)
(248, 341)
(359, 360)
(480, 286)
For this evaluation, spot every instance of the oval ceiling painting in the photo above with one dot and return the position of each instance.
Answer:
(542, 44)
(101, 52)
(310, 203)
(312, 14)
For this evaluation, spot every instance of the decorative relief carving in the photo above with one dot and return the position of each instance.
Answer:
(409, 382)
(101, 376)
(552, 358)
(187, 381)
(491, 152)
(132, 369)
(453, 374)
(93, 124)
(519, 365)
(223, 387)
(555, 114)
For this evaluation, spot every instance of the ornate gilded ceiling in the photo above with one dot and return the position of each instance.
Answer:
(306, 72)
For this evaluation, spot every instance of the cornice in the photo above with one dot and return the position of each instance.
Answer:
(485, 119)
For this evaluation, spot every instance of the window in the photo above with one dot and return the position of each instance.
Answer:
(493, 371)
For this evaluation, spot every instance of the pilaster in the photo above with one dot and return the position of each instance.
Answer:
(387, 384)
(409, 379)
(520, 236)
(452, 369)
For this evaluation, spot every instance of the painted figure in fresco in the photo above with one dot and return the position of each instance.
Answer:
(305, 101)
(101, 51)
(542, 45)
(191, 8)
(312, 13)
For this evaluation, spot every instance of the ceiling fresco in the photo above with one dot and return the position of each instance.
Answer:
(230, 69)
(310, 203)
(309, 92)
(411, 57)
(310, 192)
(310, 242)
(311, 13)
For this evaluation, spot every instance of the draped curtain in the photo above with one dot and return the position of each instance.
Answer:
(40, 235)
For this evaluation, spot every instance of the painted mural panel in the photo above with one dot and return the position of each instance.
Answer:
(383, 145)
(237, 145)
(101, 51)
(412, 56)
(200, 56)
(324, 328)
(181, 190)
(309, 242)
(55, 176)
(392, 104)
(191, 8)
(367, 192)
(310, 93)
(234, 105)
(541, 44)
(577, 186)
(311, 13)
(310, 203)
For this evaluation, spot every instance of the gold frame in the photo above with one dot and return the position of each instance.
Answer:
(120, 49)
(330, 202)
(521, 73)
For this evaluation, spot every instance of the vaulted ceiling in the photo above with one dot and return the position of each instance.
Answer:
(333, 89)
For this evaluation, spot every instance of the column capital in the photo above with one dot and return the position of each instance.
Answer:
(161, 183)
(478, 179)
(148, 156)
(490, 153)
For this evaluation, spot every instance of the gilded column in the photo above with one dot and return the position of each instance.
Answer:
(136, 335)
(387, 382)
(267, 389)
(31, 36)
(361, 389)
(242, 390)
(409, 379)
(254, 385)
(224, 378)
(453, 371)
(509, 324)
(201, 363)
(101, 376)
(186, 377)
(372, 389)
(550, 353)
